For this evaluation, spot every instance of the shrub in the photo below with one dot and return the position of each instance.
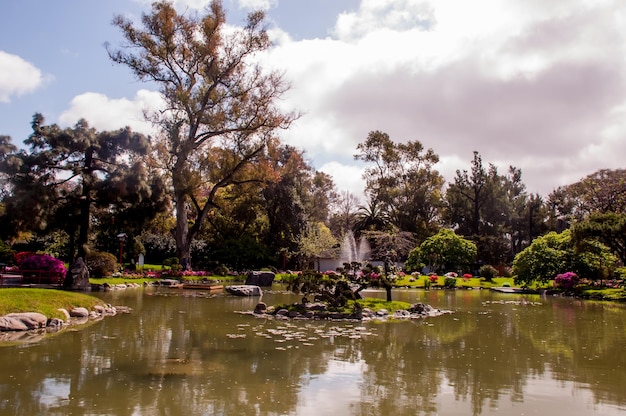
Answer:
(566, 281)
(173, 264)
(620, 273)
(221, 270)
(41, 262)
(101, 264)
(6, 254)
(449, 282)
(488, 272)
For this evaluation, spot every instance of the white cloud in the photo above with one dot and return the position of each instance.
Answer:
(534, 84)
(346, 177)
(106, 113)
(17, 77)
(257, 4)
(379, 15)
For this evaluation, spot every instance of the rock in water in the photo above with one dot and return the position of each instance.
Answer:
(264, 279)
(77, 277)
(244, 290)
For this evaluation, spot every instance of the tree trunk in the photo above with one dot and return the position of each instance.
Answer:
(181, 233)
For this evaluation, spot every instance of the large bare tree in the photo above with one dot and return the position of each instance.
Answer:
(221, 106)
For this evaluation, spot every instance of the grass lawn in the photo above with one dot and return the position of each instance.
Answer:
(474, 282)
(44, 301)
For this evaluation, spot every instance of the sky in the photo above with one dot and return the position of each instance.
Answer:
(535, 84)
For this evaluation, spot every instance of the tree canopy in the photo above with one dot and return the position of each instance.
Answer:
(555, 253)
(220, 104)
(443, 252)
(67, 173)
(403, 182)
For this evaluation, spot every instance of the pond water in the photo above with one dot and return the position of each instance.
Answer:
(190, 353)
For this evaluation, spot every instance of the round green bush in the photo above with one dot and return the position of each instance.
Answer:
(488, 272)
(101, 264)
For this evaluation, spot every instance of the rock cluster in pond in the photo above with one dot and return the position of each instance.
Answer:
(244, 290)
(320, 310)
(25, 326)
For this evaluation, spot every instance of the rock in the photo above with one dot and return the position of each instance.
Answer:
(79, 313)
(55, 323)
(244, 290)
(65, 313)
(77, 277)
(11, 324)
(32, 320)
(417, 308)
(260, 307)
(264, 279)
(169, 282)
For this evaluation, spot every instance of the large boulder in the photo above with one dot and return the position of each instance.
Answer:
(77, 277)
(244, 290)
(263, 279)
(22, 321)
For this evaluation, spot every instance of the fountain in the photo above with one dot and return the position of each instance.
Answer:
(351, 251)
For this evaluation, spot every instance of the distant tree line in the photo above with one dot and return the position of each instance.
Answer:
(216, 187)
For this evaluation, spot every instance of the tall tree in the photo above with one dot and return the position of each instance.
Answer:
(601, 192)
(609, 228)
(404, 179)
(292, 200)
(217, 97)
(492, 210)
(66, 173)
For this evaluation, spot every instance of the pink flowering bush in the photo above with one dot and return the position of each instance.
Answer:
(43, 262)
(566, 281)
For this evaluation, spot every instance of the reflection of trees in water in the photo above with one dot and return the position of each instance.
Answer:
(418, 364)
(584, 341)
(175, 358)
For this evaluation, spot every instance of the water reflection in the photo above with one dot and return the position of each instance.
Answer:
(192, 353)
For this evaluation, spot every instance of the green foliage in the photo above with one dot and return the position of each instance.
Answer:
(494, 210)
(488, 272)
(221, 270)
(445, 251)
(544, 258)
(555, 253)
(173, 264)
(240, 253)
(332, 288)
(6, 253)
(449, 282)
(620, 273)
(402, 182)
(608, 228)
(101, 264)
(54, 185)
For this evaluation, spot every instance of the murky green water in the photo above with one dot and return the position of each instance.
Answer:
(189, 353)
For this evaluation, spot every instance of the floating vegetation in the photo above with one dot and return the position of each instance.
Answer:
(522, 302)
(294, 336)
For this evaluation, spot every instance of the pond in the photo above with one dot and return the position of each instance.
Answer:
(191, 353)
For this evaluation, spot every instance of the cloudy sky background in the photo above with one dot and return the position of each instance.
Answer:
(538, 84)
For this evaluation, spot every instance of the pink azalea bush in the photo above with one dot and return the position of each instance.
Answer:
(566, 281)
(43, 262)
